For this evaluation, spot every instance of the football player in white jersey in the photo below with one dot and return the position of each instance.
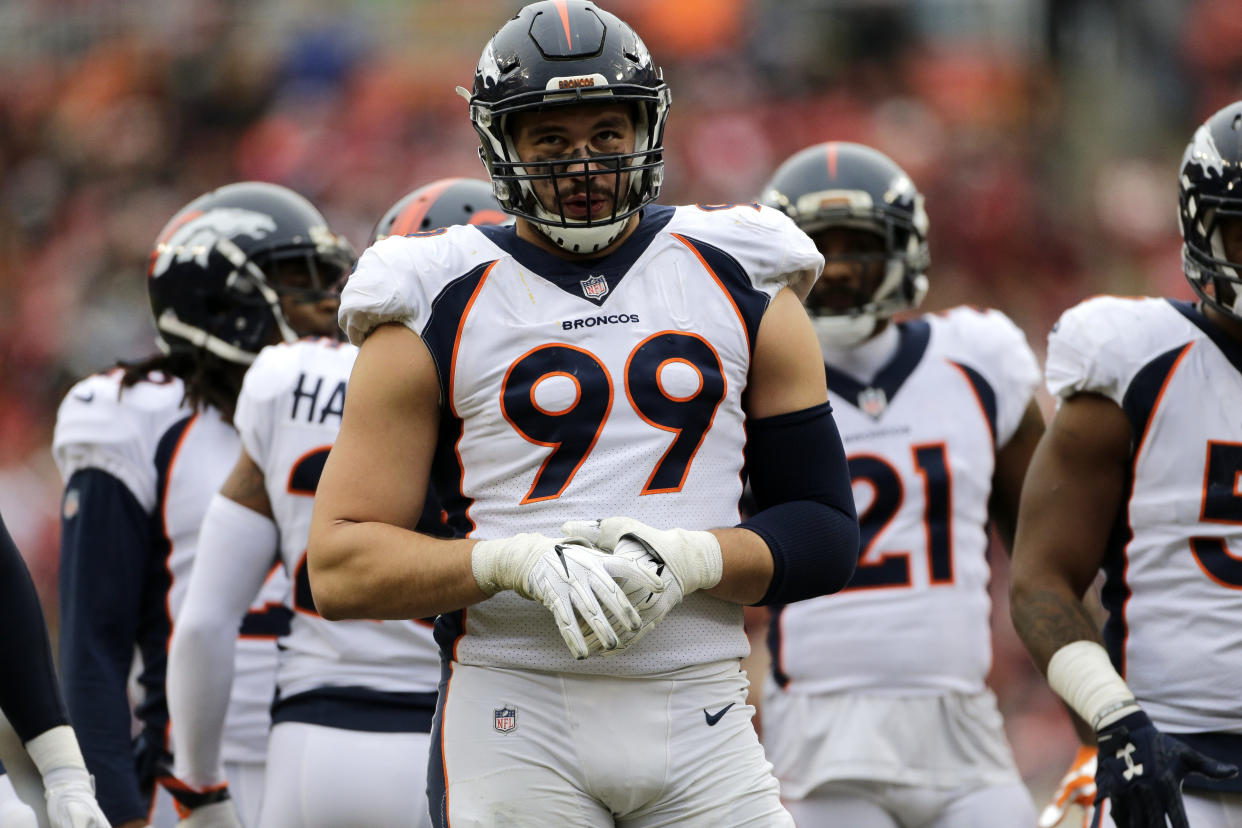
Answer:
(1138, 476)
(604, 358)
(143, 447)
(354, 698)
(31, 699)
(876, 714)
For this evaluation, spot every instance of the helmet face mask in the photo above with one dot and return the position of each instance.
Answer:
(843, 186)
(1210, 211)
(221, 265)
(562, 57)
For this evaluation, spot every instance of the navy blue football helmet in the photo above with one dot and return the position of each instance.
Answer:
(561, 53)
(210, 277)
(840, 184)
(439, 204)
(1210, 190)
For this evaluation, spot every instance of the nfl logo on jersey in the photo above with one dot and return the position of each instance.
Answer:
(872, 402)
(594, 287)
(506, 719)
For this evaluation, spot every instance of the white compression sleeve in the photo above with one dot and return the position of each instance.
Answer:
(235, 549)
(1081, 673)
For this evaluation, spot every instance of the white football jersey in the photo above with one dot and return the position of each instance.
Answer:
(578, 390)
(921, 439)
(1174, 569)
(288, 414)
(173, 460)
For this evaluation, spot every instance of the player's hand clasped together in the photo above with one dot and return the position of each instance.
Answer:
(684, 560)
(571, 579)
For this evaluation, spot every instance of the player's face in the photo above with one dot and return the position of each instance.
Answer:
(854, 261)
(1231, 238)
(309, 297)
(568, 134)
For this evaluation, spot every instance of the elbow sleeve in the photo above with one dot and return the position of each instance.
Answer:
(801, 484)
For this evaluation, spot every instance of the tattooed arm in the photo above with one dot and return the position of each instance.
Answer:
(1073, 489)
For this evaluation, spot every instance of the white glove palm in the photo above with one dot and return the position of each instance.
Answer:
(70, 794)
(568, 577)
(684, 560)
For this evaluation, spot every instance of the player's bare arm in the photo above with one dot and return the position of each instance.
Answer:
(1012, 461)
(245, 486)
(1072, 491)
(363, 562)
(786, 374)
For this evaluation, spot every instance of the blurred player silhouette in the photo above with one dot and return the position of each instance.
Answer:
(877, 714)
(354, 698)
(1138, 476)
(142, 449)
(609, 358)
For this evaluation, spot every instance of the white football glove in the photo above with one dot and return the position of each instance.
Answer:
(684, 560)
(651, 606)
(1077, 788)
(570, 578)
(693, 556)
(70, 794)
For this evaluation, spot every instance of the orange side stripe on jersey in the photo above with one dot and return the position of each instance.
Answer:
(1138, 450)
(172, 462)
(452, 377)
(974, 392)
(741, 319)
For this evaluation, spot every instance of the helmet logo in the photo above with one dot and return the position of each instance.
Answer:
(197, 237)
(575, 83)
(489, 68)
(595, 287)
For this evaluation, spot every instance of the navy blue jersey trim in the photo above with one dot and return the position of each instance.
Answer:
(270, 622)
(1230, 347)
(749, 300)
(914, 336)
(568, 274)
(1138, 403)
(358, 708)
(985, 393)
(440, 333)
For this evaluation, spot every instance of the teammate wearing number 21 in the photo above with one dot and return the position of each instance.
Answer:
(938, 421)
(1138, 476)
(605, 358)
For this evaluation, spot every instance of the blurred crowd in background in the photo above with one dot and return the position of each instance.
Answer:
(1045, 135)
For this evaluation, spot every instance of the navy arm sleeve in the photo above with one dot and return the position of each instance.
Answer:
(29, 694)
(104, 547)
(801, 484)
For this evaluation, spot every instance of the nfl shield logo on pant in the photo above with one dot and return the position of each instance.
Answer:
(506, 719)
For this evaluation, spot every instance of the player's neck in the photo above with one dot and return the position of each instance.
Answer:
(527, 231)
(1229, 324)
(864, 360)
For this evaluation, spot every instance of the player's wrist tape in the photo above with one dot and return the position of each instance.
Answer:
(1082, 675)
(55, 748)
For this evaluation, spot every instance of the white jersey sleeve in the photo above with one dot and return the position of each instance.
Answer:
(397, 278)
(1098, 345)
(764, 241)
(100, 425)
(993, 345)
